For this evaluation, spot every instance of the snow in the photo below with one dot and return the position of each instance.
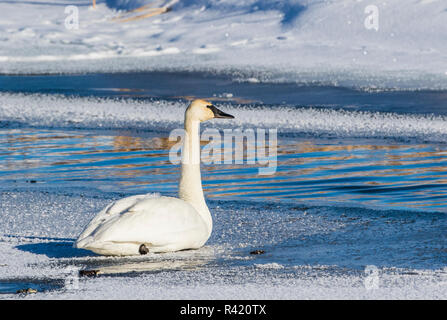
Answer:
(294, 40)
(38, 229)
(327, 287)
(58, 111)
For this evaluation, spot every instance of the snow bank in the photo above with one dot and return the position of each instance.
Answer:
(275, 40)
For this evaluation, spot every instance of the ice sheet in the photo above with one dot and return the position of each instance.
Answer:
(57, 111)
(38, 228)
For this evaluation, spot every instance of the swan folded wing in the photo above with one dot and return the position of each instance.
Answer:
(112, 211)
(157, 222)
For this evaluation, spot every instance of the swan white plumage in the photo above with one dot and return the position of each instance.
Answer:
(147, 223)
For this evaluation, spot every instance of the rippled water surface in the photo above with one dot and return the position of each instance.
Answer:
(365, 172)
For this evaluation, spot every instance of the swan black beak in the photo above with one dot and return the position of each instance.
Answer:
(219, 114)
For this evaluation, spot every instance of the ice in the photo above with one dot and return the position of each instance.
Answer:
(57, 111)
(252, 285)
(292, 41)
(310, 252)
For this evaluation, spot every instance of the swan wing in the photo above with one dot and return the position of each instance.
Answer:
(161, 223)
(113, 211)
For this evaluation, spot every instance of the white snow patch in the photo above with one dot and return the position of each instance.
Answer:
(272, 265)
(289, 38)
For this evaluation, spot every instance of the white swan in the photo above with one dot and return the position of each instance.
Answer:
(141, 224)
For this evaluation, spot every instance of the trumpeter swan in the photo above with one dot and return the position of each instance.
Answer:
(141, 224)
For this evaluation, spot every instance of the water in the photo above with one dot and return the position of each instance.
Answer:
(360, 179)
(17, 286)
(360, 167)
(366, 173)
(167, 85)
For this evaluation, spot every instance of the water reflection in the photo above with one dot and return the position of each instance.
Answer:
(153, 262)
(395, 175)
(149, 264)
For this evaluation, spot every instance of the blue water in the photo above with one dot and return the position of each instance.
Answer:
(378, 200)
(364, 173)
(167, 85)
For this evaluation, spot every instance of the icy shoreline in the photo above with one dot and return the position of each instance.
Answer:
(411, 284)
(40, 254)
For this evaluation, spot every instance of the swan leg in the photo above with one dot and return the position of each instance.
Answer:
(143, 249)
(88, 273)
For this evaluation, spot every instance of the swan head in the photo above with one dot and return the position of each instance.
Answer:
(203, 110)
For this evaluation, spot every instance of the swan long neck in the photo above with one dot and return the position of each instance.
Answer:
(190, 187)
